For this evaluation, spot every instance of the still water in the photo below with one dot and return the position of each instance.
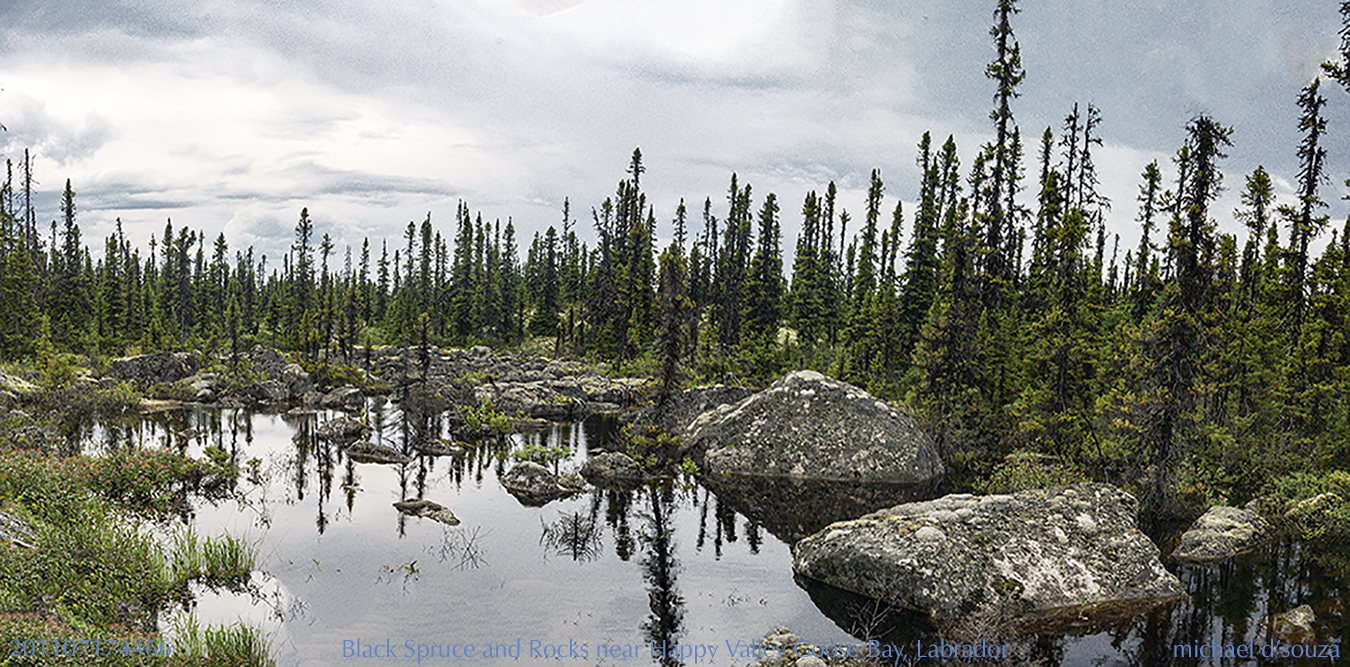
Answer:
(666, 564)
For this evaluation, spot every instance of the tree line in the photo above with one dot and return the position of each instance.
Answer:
(1197, 362)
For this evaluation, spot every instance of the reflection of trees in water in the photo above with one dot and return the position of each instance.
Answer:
(659, 568)
(617, 505)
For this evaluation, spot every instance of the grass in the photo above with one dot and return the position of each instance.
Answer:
(233, 644)
(214, 560)
(90, 572)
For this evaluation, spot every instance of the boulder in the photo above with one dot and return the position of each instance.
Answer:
(612, 469)
(271, 392)
(1221, 533)
(1062, 553)
(341, 430)
(427, 509)
(343, 398)
(793, 507)
(541, 399)
(533, 485)
(17, 531)
(296, 380)
(266, 361)
(369, 452)
(811, 426)
(151, 369)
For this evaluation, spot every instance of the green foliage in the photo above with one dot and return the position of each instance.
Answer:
(1310, 505)
(484, 416)
(327, 375)
(234, 644)
(214, 560)
(1024, 470)
(545, 455)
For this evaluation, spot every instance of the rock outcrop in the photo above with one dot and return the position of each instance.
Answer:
(1070, 550)
(150, 369)
(533, 485)
(563, 398)
(811, 426)
(1221, 533)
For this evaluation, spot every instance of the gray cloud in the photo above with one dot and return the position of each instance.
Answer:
(31, 126)
(524, 102)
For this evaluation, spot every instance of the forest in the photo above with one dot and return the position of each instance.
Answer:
(1195, 368)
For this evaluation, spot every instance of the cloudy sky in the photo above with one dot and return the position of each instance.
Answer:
(231, 116)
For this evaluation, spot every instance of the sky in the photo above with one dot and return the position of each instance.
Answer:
(232, 116)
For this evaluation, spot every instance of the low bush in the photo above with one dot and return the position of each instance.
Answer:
(1022, 470)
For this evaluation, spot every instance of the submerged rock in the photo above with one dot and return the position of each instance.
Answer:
(533, 485)
(1221, 533)
(808, 425)
(1291, 627)
(427, 509)
(369, 452)
(1064, 552)
(612, 469)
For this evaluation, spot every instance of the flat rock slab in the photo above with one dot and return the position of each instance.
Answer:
(811, 426)
(427, 509)
(441, 448)
(1221, 533)
(369, 452)
(1068, 548)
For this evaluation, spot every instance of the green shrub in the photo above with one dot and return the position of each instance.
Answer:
(544, 455)
(1024, 470)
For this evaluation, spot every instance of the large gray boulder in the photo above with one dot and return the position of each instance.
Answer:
(1066, 551)
(811, 426)
(151, 369)
(1221, 533)
(370, 452)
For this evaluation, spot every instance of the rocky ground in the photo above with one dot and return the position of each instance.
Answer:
(509, 384)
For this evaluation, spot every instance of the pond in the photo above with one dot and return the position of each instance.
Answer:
(600, 577)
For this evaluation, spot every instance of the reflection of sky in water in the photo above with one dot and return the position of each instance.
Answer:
(343, 564)
(602, 567)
